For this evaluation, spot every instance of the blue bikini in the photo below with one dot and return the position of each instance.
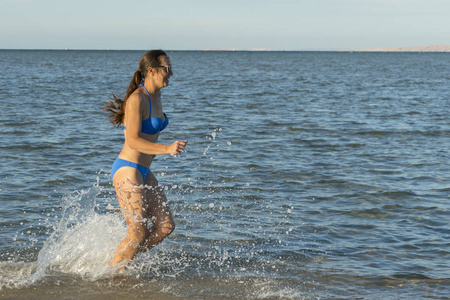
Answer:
(120, 163)
(149, 126)
(152, 125)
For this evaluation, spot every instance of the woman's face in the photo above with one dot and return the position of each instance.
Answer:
(163, 72)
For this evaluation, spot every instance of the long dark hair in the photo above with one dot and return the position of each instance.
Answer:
(116, 107)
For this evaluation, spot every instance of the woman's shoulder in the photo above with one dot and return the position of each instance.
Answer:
(137, 98)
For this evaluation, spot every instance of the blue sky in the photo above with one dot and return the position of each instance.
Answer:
(228, 24)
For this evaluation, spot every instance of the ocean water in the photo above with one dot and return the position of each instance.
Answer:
(307, 176)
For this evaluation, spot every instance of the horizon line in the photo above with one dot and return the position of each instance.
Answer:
(428, 48)
(199, 50)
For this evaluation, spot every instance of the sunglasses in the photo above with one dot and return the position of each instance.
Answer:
(168, 68)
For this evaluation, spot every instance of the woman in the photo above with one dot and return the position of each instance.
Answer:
(140, 197)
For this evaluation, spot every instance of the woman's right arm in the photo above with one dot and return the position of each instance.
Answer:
(133, 111)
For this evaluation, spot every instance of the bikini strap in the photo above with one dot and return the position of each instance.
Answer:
(142, 84)
(149, 100)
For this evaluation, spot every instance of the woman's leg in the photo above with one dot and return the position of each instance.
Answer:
(157, 210)
(128, 183)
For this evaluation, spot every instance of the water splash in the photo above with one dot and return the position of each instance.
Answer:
(82, 243)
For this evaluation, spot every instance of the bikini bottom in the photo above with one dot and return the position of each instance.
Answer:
(120, 163)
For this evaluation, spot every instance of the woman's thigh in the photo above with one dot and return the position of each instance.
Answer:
(157, 207)
(131, 195)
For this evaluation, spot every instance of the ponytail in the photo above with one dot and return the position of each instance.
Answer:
(116, 107)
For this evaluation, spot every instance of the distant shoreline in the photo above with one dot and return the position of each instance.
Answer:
(434, 48)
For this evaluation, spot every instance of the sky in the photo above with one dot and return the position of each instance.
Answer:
(223, 24)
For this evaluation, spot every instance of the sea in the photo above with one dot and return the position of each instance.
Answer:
(307, 175)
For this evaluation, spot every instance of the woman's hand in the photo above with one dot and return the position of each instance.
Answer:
(177, 147)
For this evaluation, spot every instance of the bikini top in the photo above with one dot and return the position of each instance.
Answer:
(152, 125)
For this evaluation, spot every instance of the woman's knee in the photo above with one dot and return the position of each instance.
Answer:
(167, 227)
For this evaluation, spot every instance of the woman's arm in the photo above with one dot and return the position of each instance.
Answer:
(133, 112)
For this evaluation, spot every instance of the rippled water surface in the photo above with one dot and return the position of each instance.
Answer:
(307, 176)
